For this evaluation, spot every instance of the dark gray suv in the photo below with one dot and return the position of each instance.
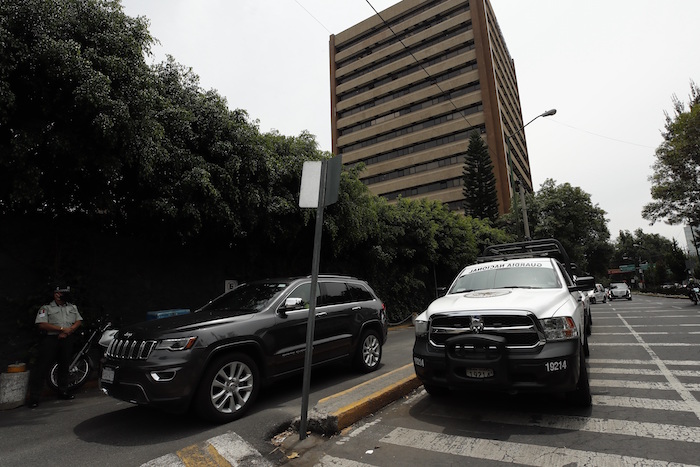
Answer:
(216, 359)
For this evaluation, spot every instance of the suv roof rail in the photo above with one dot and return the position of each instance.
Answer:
(335, 276)
(543, 248)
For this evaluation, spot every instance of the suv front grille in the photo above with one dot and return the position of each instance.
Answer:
(519, 329)
(126, 349)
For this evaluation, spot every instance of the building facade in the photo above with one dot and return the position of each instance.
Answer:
(409, 85)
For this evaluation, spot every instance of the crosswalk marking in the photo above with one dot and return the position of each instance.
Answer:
(688, 434)
(625, 384)
(641, 403)
(673, 381)
(507, 451)
(643, 371)
(613, 361)
(638, 344)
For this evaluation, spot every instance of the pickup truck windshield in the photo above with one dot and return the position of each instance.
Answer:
(507, 277)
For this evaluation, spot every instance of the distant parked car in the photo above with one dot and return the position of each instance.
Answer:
(619, 290)
(598, 294)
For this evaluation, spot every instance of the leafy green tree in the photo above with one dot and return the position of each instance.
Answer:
(567, 213)
(662, 259)
(480, 199)
(75, 91)
(676, 180)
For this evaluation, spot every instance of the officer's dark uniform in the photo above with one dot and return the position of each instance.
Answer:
(57, 321)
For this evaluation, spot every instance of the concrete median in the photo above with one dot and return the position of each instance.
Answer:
(341, 410)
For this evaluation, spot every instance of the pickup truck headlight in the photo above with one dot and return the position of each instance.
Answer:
(557, 329)
(183, 343)
(421, 326)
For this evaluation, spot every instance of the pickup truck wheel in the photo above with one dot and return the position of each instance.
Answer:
(581, 396)
(369, 353)
(586, 350)
(228, 388)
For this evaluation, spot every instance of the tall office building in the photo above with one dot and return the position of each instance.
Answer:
(409, 85)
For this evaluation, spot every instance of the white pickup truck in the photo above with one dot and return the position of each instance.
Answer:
(513, 322)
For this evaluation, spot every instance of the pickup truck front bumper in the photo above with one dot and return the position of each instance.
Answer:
(483, 362)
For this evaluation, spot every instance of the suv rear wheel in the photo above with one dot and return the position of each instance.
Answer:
(228, 388)
(369, 353)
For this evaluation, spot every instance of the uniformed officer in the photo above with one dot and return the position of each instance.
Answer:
(57, 321)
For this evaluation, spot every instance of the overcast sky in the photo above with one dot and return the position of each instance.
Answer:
(609, 67)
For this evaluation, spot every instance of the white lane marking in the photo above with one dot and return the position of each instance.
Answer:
(614, 383)
(641, 403)
(230, 446)
(673, 381)
(637, 344)
(650, 333)
(645, 317)
(644, 371)
(330, 461)
(236, 450)
(689, 434)
(613, 361)
(619, 326)
(507, 451)
(168, 460)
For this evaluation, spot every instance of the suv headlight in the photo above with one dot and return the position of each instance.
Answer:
(183, 343)
(557, 329)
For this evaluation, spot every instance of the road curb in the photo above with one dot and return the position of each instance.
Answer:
(334, 413)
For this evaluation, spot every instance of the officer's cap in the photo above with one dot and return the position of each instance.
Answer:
(62, 288)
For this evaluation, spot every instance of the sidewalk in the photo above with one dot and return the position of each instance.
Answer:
(328, 417)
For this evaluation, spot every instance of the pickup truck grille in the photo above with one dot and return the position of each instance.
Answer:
(519, 329)
(126, 349)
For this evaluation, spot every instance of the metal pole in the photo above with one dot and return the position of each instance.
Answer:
(513, 199)
(312, 303)
(526, 225)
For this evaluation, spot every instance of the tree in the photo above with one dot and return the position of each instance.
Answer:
(75, 91)
(676, 179)
(567, 213)
(480, 199)
(660, 259)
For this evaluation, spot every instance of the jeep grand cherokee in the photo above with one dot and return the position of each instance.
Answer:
(217, 358)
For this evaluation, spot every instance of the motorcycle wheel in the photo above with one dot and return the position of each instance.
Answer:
(77, 376)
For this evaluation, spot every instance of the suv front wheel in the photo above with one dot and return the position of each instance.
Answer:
(369, 353)
(228, 388)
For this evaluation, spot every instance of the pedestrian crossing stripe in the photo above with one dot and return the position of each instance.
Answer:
(511, 452)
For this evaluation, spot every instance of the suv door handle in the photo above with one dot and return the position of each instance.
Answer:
(355, 308)
(321, 313)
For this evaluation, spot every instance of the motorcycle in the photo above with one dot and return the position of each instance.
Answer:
(94, 342)
(694, 294)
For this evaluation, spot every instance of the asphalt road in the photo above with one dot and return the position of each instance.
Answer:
(95, 429)
(645, 378)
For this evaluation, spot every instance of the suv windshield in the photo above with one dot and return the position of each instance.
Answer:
(618, 285)
(251, 297)
(507, 277)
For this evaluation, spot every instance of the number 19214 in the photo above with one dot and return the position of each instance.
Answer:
(559, 365)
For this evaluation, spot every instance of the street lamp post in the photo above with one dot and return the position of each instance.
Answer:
(526, 225)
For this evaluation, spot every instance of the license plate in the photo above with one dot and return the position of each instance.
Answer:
(479, 372)
(108, 375)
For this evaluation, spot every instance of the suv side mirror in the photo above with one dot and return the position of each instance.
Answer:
(292, 303)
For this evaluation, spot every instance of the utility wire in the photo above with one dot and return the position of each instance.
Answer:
(601, 136)
(317, 20)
